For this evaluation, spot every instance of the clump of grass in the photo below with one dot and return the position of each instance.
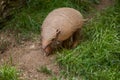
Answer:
(98, 56)
(8, 73)
(45, 70)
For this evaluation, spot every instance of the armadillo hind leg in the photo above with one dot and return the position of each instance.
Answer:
(76, 38)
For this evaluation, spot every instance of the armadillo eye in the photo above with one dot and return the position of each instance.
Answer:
(53, 39)
(57, 30)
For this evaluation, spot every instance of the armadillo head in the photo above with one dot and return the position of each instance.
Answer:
(47, 40)
(46, 46)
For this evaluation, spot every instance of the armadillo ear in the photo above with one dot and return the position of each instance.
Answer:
(57, 31)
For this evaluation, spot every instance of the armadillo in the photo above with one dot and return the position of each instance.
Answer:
(59, 26)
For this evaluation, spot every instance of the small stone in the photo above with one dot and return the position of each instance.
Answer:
(32, 46)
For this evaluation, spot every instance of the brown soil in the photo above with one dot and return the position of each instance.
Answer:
(28, 57)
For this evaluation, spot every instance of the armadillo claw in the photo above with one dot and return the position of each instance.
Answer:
(46, 54)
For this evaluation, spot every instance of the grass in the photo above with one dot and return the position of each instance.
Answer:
(98, 55)
(8, 72)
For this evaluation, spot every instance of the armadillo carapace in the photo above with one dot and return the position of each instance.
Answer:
(60, 25)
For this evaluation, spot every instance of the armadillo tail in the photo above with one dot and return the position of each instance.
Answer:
(84, 20)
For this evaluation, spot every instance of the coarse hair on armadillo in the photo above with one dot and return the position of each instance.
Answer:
(63, 20)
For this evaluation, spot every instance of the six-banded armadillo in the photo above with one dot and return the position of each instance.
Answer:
(60, 25)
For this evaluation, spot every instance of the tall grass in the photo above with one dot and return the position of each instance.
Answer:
(98, 55)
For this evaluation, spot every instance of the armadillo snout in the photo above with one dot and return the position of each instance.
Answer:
(47, 51)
